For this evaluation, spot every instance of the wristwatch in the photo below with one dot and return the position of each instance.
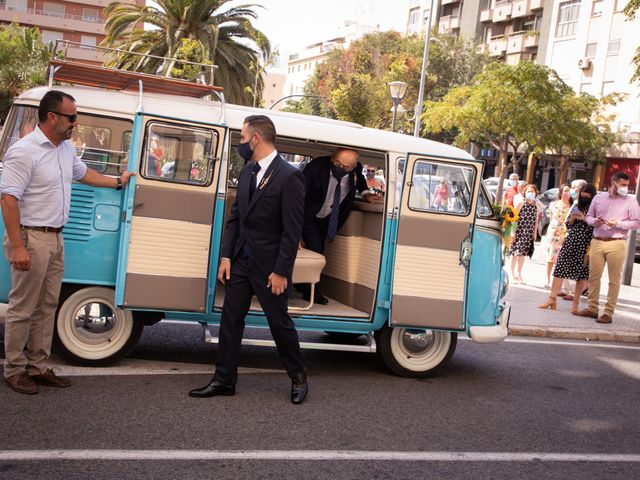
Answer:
(119, 182)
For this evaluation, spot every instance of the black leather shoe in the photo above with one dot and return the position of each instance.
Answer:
(213, 388)
(299, 389)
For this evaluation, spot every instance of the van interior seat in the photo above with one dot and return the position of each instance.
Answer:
(308, 267)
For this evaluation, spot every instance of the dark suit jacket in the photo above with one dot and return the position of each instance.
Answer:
(271, 223)
(316, 183)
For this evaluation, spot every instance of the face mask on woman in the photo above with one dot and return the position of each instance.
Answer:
(584, 202)
(566, 195)
(531, 196)
(574, 193)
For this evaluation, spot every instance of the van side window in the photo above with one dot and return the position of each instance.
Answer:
(178, 154)
(441, 188)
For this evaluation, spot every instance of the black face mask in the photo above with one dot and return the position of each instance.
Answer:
(583, 203)
(245, 151)
(338, 172)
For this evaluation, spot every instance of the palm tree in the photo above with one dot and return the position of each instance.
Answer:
(204, 31)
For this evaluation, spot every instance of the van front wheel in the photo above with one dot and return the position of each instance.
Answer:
(415, 352)
(91, 331)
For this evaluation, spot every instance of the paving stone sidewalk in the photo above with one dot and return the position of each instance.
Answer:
(529, 320)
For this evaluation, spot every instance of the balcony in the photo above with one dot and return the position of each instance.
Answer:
(447, 2)
(520, 9)
(85, 54)
(52, 20)
(498, 45)
(535, 4)
(531, 39)
(502, 11)
(515, 44)
(448, 24)
(485, 15)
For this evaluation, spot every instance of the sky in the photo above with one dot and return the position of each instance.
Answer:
(291, 25)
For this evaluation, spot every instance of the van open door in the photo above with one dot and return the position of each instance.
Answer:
(165, 247)
(435, 227)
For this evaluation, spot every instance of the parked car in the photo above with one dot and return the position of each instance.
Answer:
(491, 184)
(545, 198)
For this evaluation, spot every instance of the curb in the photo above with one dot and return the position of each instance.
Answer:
(575, 334)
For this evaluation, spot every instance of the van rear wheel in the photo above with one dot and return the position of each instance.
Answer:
(415, 352)
(91, 331)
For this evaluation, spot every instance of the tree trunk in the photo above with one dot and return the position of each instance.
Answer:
(531, 167)
(564, 171)
(502, 170)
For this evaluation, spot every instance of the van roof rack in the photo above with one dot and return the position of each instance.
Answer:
(91, 75)
(80, 73)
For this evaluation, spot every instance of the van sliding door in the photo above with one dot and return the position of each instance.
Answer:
(433, 249)
(164, 258)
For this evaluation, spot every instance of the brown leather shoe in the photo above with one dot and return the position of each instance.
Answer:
(49, 378)
(587, 313)
(604, 318)
(22, 383)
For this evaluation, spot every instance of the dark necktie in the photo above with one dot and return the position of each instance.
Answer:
(335, 214)
(254, 175)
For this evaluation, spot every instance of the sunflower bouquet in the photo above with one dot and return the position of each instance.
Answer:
(509, 217)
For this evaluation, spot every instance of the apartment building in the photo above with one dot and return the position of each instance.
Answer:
(509, 29)
(80, 21)
(301, 65)
(591, 46)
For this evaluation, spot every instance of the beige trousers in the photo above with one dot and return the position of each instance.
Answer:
(612, 253)
(32, 303)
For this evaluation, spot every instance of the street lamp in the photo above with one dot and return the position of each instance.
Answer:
(397, 91)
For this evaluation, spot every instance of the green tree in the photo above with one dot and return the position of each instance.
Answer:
(23, 63)
(520, 109)
(632, 8)
(352, 83)
(204, 31)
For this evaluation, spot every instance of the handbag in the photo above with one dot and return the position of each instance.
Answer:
(531, 249)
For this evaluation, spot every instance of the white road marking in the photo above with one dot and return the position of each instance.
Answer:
(149, 367)
(564, 343)
(314, 455)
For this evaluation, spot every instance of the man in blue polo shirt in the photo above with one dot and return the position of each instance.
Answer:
(36, 193)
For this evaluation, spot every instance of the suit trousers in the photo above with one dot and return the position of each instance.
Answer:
(613, 254)
(32, 303)
(314, 235)
(245, 281)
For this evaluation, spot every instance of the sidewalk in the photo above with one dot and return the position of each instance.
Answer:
(529, 320)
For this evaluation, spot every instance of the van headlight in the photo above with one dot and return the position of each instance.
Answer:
(505, 283)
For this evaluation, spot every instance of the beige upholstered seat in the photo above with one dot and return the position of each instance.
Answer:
(307, 269)
(308, 266)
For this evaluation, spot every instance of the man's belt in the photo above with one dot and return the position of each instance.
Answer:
(42, 229)
(608, 239)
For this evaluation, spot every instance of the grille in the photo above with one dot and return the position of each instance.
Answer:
(80, 221)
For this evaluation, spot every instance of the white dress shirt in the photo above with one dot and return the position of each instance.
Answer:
(328, 200)
(264, 164)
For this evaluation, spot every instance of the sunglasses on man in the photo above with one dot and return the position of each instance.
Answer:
(72, 118)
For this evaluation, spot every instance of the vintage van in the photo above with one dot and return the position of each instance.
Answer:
(404, 274)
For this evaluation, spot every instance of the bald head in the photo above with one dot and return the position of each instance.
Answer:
(345, 158)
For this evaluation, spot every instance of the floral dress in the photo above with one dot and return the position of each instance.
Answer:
(557, 230)
(525, 230)
(571, 259)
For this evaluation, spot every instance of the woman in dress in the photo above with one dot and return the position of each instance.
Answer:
(573, 259)
(441, 196)
(557, 230)
(525, 235)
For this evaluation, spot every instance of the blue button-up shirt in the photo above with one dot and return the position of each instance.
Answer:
(39, 175)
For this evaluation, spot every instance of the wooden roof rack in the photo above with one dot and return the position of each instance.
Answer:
(91, 75)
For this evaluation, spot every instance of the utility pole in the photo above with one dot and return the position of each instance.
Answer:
(425, 58)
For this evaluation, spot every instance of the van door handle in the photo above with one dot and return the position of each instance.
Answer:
(465, 253)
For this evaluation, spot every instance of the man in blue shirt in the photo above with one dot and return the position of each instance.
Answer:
(38, 171)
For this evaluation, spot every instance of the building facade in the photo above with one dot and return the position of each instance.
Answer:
(301, 65)
(80, 21)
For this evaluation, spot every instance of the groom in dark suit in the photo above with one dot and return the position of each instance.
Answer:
(258, 252)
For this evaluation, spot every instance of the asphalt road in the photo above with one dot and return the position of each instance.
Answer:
(540, 410)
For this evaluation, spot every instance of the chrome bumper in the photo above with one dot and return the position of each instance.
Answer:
(495, 333)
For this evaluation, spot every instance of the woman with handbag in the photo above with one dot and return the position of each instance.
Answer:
(573, 259)
(522, 244)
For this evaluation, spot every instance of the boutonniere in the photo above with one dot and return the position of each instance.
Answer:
(264, 181)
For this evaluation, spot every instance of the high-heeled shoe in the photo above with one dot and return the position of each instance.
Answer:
(550, 304)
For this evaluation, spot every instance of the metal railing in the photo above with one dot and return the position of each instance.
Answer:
(48, 13)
